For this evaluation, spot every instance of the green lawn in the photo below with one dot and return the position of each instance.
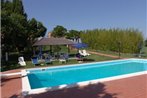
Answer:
(91, 58)
(13, 58)
(13, 61)
(144, 50)
(124, 55)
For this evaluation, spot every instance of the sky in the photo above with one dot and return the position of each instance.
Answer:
(89, 14)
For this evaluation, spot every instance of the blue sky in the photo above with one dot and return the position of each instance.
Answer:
(89, 14)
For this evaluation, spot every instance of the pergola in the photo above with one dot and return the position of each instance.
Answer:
(53, 41)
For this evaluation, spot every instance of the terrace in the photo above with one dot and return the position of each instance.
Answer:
(109, 59)
(110, 89)
(122, 88)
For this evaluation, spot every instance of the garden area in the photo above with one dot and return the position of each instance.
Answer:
(13, 60)
(18, 34)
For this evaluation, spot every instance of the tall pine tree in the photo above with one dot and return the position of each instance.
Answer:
(15, 28)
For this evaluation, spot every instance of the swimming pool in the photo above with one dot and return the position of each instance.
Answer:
(80, 73)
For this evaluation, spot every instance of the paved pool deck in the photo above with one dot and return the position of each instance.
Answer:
(133, 87)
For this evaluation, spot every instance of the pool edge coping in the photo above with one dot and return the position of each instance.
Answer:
(70, 65)
(26, 90)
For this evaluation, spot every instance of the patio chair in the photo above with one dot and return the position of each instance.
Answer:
(85, 53)
(48, 60)
(81, 53)
(66, 56)
(21, 61)
(35, 61)
(79, 57)
(62, 59)
(39, 56)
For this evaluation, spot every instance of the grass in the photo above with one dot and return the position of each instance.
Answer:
(144, 49)
(124, 55)
(91, 58)
(99, 58)
(13, 60)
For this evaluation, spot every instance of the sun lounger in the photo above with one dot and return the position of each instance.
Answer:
(48, 60)
(81, 53)
(62, 59)
(21, 61)
(85, 52)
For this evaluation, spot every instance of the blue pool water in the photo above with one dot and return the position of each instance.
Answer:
(72, 74)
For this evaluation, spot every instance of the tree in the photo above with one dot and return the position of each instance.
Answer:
(13, 26)
(106, 40)
(35, 29)
(72, 34)
(146, 42)
(59, 31)
(17, 32)
(18, 8)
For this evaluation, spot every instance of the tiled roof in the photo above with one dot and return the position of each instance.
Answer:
(53, 41)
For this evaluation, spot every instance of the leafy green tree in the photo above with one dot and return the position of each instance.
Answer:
(19, 33)
(35, 29)
(73, 34)
(107, 40)
(18, 8)
(16, 31)
(59, 31)
(13, 26)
